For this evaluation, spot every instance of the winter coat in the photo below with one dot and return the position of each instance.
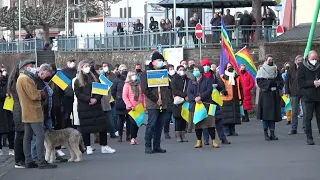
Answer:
(6, 120)
(154, 26)
(246, 21)
(169, 95)
(70, 73)
(92, 118)
(179, 87)
(307, 74)
(268, 21)
(215, 23)
(291, 82)
(247, 85)
(269, 101)
(41, 86)
(30, 99)
(152, 94)
(231, 108)
(137, 28)
(229, 20)
(116, 91)
(75, 114)
(128, 96)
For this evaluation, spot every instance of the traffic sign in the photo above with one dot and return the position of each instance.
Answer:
(279, 30)
(199, 31)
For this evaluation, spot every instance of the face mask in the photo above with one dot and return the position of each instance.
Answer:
(4, 73)
(191, 66)
(86, 70)
(181, 73)
(101, 71)
(106, 69)
(196, 73)
(33, 70)
(138, 70)
(243, 71)
(47, 79)
(134, 77)
(172, 72)
(313, 62)
(270, 63)
(72, 65)
(160, 64)
(230, 69)
(124, 73)
(206, 68)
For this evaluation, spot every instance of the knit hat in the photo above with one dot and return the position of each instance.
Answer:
(204, 62)
(156, 55)
(26, 62)
(200, 69)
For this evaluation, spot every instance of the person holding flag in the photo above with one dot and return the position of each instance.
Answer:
(91, 115)
(247, 85)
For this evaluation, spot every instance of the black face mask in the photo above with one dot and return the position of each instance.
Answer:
(47, 79)
(191, 67)
(230, 69)
(243, 71)
(270, 63)
(287, 67)
(138, 70)
(124, 73)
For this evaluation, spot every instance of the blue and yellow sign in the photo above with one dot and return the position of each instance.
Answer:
(157, 78)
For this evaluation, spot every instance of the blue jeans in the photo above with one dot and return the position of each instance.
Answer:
(205, 134)
(283, 113)
(166, 122)
(295, 111)
(269, 124)
(219, 128)
(267, 34)
(154, 127)
(115, 118)
(47, 124)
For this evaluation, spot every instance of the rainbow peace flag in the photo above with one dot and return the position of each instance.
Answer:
(185, 111)
(216, 97)
(212, 110)
(243, 57)
(100, 89)
(226, 45)
(200, 113)
(138, 114)
(61, 80)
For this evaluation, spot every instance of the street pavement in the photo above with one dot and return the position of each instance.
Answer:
(249, 157)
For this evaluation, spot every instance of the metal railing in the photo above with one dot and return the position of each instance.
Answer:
(168, 39)
(22, 46)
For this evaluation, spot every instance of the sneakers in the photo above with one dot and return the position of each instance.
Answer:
(134, 141)
(60, 159)
(1, 152)
(116, 133)
(107, 150)
(46, 165)
(11, 152)
(31, 165)
(20, 165)
(89, 150)
(284, 117)
(167, 136)
(293, 132)
(60, 153)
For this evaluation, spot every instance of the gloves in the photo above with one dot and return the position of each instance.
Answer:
(240, 102)
(225, 93)
(43, 96)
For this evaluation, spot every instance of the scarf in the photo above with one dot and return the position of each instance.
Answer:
(135, 89)
(231, 76)
(267, 72)
(207, 74)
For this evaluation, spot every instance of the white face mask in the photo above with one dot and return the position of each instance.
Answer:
(72, 65)
(181, 73)
(106, 69)
(313, 62)
(172, 72)
(86, 70)
(134, 77)
(4, 73)
(33, 70)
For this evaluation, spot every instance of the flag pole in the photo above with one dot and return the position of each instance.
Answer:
(240, 50)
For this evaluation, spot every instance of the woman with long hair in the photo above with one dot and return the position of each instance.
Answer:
(132, 96)
(91, 116)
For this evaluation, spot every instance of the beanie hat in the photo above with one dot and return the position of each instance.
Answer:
(156, 55)
(204, 62)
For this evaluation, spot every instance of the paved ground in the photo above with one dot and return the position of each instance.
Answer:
(249, 157)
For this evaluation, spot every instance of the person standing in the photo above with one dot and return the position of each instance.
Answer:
(154, 28)
(269, 111)
(292, 91)
(91, 116)
(32, 114)
(247, 85)
(268, 20)
(180, 29)
(215, 28)
(308, 84)
(193, 21)
(156, 103)
(245, 24)
(230, 23)
(166, 123)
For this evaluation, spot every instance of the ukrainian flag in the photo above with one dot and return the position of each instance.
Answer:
(216, 97)
(100, 89)
(212, 110)
(61, 80)
(104, 80)
(157, 78)
(185, 111)
(200, 113)
(138, 114)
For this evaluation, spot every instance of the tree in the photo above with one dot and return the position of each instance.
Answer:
(9, 19)
(256, 11)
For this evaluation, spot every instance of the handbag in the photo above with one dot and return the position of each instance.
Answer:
(177, 99)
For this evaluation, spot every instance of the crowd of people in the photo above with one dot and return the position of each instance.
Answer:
(41, 105)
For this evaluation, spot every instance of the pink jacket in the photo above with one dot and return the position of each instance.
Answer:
(128, 96)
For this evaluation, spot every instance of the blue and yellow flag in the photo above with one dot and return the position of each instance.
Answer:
(100, 89)
(104, 80)
(8, 103)
(185, 111)
(241, 110)
(200, 113)
(61, 80)
(287, 102)
(157, 78)
(212, 110)
(216, 97)
(138, 114)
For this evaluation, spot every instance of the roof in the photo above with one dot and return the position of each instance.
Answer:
(299, 33)
(214, 3)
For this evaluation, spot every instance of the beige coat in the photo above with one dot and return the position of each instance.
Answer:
(30, 100)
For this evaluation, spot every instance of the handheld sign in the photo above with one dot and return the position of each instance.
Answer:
(157, 78)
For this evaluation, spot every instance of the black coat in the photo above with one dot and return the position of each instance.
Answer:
(116, 92)
(6, 120)
(202, 89)
(221, 87)
(307, 74)
(179, 87)
(92, 118)
(70, 73)
(269, 101)
(291, 82)
(246, 21)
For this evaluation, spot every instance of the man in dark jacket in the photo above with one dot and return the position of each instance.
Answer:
(246, 23)
(137, 29)
(156, 106)
(70, 71)
(308, 83)
(154, 27)
(291, 90)
(268, 19)
(230, 22)
(215, 28)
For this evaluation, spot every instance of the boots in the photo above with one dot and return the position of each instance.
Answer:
(178, 135)
(167, 136)
(183, 136)
(273, 136)
(198, 144)
(266, 135)
(128, 138)
(215, 144)
(309, 138)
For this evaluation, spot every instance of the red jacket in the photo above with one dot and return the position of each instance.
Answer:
(247, 84)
